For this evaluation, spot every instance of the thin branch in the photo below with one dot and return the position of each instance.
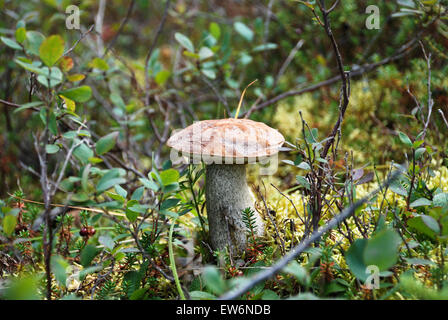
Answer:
(153, 45)
(122, 25)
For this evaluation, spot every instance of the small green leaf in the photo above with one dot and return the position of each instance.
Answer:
(184, 41)
(244, 31)
(138, 194)
(214, 280)
(215, 30)
(169, 203)
(418, 224)
(99, 63)
(419, 152)
(205, 53)
(82, 152)
(105, 184)
(149, 184)
(201, 295)
(121, 191)
(405, 139)
(51, 50)
(33, 41)
(51, 148)
(29, 105)
(420, 203)
(304, 165)
(106, 241)
(162, 76)
(169, 176)
(355, 259)
(441, 200)
(264, 47)
(9, 224)
(303, 182)
(88, 254)
(78, 94)
(209, 73)
(20, 35)
(106, 143)
(431, 223)
(11, 43)
(58, 267)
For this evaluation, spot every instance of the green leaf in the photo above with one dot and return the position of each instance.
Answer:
(201, 295)
(33, 41)
(20, 35)
(131, 215)
(266, 46)
(106, 143)
(304, 165)
(405, 139)
(244, 31)
(441, 200)
(138, 193)
(169, 176)
(382, 249)
(59, 267)
(51, 148)
(123, 193)
(106, 241)
(215, 30)
(82, 152)
(149, 184)
(269, 295)
(28, 105)
(205, 53)
(99, 63)
(162, 77)
(11, 43)
(420, 203)
(431, 223)
(209, 73)
(78, 94)
(9, 224)
(298, 271)
(51, 50)
(105, 184)
(169, 203)
(88, 254)
(355, 259)
(396, 186)
(213, 280)
(418, 224)
(116, 197)
(419, 152)
(50, 77)
(184, 41)
(303, 182)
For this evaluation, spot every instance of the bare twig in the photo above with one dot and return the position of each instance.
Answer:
(120, 29)
(153, 45)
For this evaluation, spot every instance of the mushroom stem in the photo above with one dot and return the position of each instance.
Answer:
(227, 195)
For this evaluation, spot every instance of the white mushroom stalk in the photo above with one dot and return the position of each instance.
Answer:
(227, 146)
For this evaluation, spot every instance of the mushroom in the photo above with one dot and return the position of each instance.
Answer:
(226, 146)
